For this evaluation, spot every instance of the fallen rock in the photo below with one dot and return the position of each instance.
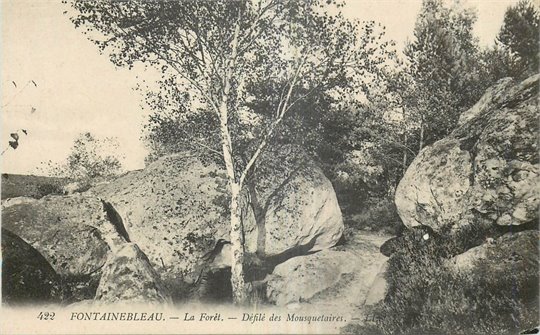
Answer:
(338, 276)
(511, 252)
(129, 277)
(486, 172)
(66, 231)
(177, 208)
(301, 278)
(27, 277)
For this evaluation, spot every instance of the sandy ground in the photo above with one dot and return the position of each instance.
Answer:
(348, 295)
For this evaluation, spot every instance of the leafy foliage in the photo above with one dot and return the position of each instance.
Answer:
(443, 68)
(231, 71)
(425, 295)
(519, 37)
(13, 141)
(376, 214)
(90, 158)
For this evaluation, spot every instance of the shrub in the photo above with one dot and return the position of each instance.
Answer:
(379, 215)
(90, 158)
(426, 297)
(48, 188)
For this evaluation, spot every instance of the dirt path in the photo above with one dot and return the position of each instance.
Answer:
(347, 296)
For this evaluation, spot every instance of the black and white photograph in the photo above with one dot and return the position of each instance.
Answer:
(270, 167)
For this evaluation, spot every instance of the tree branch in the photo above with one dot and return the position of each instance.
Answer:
(270, 132)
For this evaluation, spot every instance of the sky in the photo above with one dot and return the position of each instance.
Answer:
(77, 90)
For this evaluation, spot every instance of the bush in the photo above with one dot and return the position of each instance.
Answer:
(90, 160)
(379, 215)
(48, 188)
(425, 296)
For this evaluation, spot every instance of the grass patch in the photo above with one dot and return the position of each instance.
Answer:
(427, 296)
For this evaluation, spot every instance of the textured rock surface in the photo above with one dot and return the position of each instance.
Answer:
(177, 208)
(296, 202)
(486, 172)
(511, 252)
(128, 277)
(66, 230)
(26, 274)
(339, 277)
(493, 96)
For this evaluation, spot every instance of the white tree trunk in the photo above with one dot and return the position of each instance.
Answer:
(237, 248)
(237, 243)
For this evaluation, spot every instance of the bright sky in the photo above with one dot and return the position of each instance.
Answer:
(79, 90)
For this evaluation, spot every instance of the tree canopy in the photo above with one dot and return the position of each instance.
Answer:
(231, 71)
(519, 37)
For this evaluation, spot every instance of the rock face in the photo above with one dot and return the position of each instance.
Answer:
(27, 277)
(128, 277)
(293, 203)
(177, 208)
(65, 230)
(515, 251)
(341, 274)
(486, 172)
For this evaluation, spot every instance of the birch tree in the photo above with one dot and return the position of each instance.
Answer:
(443, 64)
(214, 53)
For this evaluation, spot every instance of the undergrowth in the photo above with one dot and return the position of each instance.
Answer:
(427, 296)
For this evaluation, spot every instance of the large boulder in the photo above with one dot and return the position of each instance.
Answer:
(128, 277)
(177, 208)
(294, 204)
(341, 275)
(486, 172)
(27, 277)
(67, 231)
(510, 252)
(508, 266)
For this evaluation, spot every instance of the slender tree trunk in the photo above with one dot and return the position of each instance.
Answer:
(404, 153)
(259, 213)
(237, 248)
(421, 135)
(237, 243)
